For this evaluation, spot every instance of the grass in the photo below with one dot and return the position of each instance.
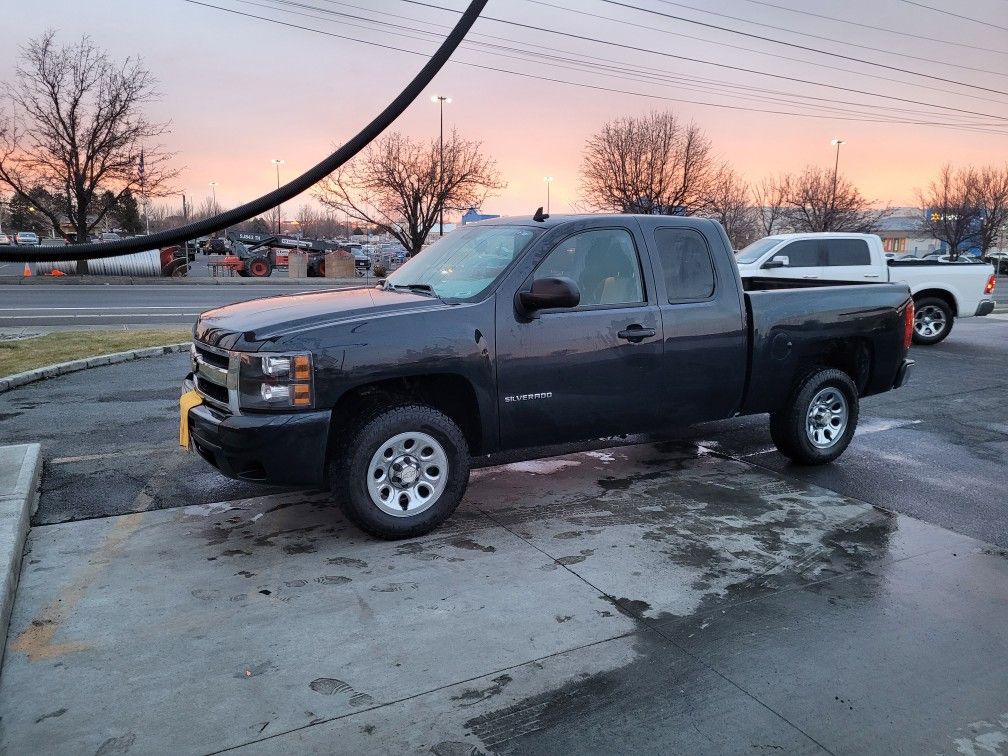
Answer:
(63, 346)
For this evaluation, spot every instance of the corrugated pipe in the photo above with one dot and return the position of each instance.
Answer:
(138, 264)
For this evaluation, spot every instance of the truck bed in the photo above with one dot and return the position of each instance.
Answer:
(799, 324)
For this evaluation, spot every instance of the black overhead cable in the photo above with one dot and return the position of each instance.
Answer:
(885, 30)
(665, 54)
(10, 253)
(957, 15)
(591, 86)
(655, 76)
(821, 52)
(471, 39)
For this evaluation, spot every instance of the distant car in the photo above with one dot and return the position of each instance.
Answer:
(999, 260)
(109, 236)
(27, 238)
(4, 239)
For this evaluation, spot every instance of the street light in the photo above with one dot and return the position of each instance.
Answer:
(278, 162)
(836, 165)
(213, 188)
(441, 100)
(548, 180)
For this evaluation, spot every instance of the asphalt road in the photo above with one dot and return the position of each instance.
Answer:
(139, 305)
(934, 450)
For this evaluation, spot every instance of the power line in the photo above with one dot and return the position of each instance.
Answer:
(876, 28)
(817, 50)
(956, 15)
(645, 75)
(662, 53)
(827, 66)
(983, 128)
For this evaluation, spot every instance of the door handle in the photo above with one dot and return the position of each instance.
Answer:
(810, 276)
(871, 275)
(636, 333)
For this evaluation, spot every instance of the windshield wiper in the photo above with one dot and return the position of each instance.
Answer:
(416, 288)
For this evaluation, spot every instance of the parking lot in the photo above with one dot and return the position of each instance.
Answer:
(688, 594)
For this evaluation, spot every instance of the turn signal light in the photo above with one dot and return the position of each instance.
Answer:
(302, 395)
(991, 283)
(302, 368)
(908, 325)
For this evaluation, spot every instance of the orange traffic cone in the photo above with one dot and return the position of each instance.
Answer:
(56, 272)
(27, 271)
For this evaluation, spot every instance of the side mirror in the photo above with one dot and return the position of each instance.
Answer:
(778, 261)
(547, 293)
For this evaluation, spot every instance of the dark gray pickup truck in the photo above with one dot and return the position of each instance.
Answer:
(524, 332)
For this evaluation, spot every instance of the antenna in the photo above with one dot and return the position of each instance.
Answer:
(539, 216)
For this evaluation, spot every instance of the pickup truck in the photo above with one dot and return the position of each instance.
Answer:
(524, 332)
(941, 291)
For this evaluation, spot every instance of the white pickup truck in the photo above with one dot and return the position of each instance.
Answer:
(942, 291)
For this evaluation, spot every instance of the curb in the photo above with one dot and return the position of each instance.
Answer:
(20, 475)
(62, 368)
(199, 281)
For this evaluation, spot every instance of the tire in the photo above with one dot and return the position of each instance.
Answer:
(259, 267)
(377, 442)
(933, 320)
(819, 419)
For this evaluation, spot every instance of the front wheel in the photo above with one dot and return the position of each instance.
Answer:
(932, 320)
(818, 421)
(401, 471)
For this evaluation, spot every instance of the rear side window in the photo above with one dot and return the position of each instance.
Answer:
(805, 253)
(847, 252)
(686, 264)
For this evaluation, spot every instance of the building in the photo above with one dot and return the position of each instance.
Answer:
(473, 214)
(903, 233)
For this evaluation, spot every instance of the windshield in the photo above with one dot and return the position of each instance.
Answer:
(465, 263)
(756, 250)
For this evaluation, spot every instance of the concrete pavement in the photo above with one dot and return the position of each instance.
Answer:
(647, 599)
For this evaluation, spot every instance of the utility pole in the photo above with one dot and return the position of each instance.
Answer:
(441, 100)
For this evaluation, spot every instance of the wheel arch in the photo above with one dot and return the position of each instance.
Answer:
(944, 294)
(450, 393)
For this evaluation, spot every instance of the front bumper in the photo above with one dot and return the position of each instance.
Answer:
(286, 449)
(903, 374)
(985, 308)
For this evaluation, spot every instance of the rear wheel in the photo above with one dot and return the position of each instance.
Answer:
(818, 421)
(932, 320)
(401, 471)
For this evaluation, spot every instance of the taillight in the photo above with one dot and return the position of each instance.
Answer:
(908, 325)
(991, 283)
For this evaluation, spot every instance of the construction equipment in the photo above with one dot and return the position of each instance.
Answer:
(258, 254)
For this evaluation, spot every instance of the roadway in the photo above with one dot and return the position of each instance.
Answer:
(116, 305)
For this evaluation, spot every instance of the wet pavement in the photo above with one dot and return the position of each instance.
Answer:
(644, 599)
(697, 594)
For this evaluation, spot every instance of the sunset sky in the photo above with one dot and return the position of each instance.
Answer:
(240, 91)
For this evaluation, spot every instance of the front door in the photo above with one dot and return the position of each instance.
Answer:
(588, 371)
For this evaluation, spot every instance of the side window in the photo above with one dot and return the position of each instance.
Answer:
(686, 264)
(847, 252)
(602, 263)
(805, 253)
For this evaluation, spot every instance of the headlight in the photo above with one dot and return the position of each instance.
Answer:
(275, 381)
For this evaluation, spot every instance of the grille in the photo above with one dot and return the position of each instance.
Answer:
(216, 376)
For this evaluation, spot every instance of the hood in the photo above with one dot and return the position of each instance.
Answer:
(246, 325)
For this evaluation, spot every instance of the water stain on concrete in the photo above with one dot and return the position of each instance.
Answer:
(347, 562)
(118, 745)
(472, 696)
(470, 545)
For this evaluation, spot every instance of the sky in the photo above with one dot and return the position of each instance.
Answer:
(240, 91)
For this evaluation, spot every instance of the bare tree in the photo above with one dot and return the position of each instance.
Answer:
(729, 202)
(951, 207)
(771, 196)
(397, 185)
(991, 185)
(75, 127)
(648, 164)
(819, 200)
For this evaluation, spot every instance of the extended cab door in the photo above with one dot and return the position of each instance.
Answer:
(587, 371)
(705, 356)
(852, 259)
